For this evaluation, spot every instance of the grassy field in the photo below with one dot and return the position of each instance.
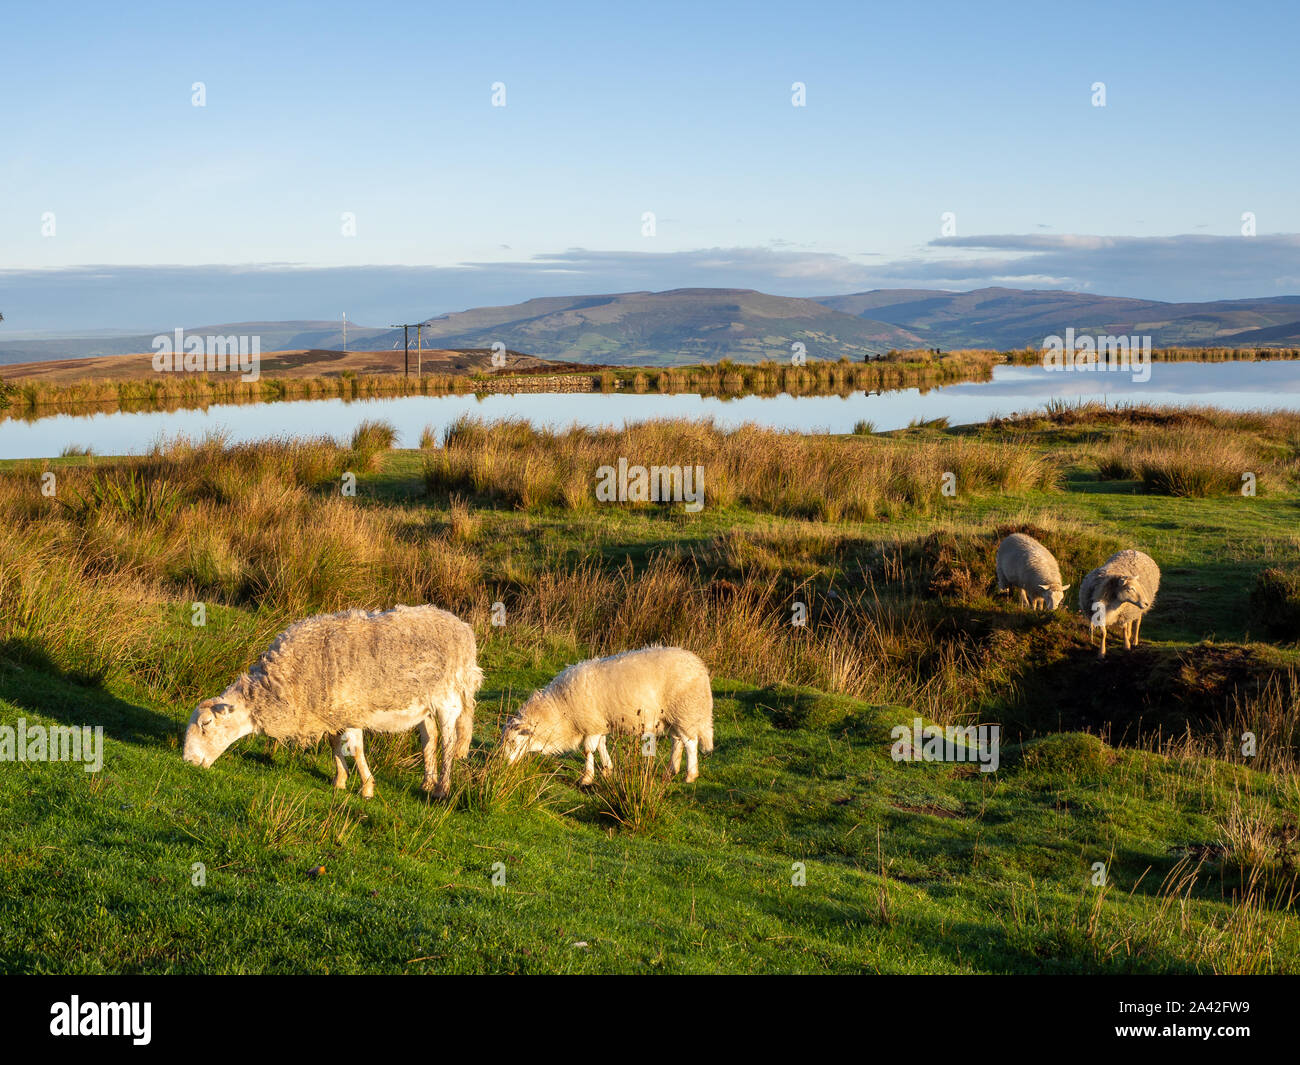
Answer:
(1123, 831)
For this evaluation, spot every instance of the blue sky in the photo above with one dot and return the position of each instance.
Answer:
(384, 110)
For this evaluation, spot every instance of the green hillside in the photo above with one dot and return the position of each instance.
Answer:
(805, 846)
(675, 328)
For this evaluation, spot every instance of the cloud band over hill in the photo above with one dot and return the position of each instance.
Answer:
(1179, 268)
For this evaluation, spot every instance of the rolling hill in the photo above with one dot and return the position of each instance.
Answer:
(681, 326)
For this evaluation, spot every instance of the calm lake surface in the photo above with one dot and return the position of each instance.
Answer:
(1239, 385)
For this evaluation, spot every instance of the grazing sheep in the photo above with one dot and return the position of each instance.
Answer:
(337, 674)
(1123, 589)
(1027, 566)
(655, 690)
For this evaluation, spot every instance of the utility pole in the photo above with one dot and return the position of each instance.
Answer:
(406, 347)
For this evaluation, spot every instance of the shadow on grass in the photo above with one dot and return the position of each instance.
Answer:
(31, 681)
(1093, 486)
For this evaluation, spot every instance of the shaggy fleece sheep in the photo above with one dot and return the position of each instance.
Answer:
(337, 674)
(1027, 566)
(655, 690)
(1123, 589)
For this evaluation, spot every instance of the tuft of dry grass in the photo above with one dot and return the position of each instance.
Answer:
(462, 525)
(633, 792)
(371, 439)
(820, 477)
(1194, 462)
(1247, 834)
(492, 784)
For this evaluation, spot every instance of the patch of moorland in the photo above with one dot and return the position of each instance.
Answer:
(804, 846)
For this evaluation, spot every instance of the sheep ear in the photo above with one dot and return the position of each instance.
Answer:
(223, 708)
(1065, 587)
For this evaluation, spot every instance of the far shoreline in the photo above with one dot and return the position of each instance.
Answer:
(128, 383)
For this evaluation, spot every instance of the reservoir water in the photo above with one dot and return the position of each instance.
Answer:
(1237, 385)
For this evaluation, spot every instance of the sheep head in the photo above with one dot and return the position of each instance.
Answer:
(540, 727)
(214, 726)
(1050, 595)
(516, 739)
(1130, 590)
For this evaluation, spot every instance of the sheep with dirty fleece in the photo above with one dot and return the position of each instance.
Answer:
(1025, 565)
(339, 674)
(1122, 589)
(654, 690)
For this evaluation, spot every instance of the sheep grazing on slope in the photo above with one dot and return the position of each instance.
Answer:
(1027, 566)
(337, 674)
(1123, 589)
(655, 690)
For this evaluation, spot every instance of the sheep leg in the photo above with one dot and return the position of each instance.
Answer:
(590, 744)
(340, 766)
(429, 741)
(359, 760)
(1024, 598)
(1136, 626)
(1103, 641)
(676, 761)
(1127, 641)
(692, 760)
(606, 763)
(448, 756)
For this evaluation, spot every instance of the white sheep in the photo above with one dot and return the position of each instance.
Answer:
(652, 691)
(1123, 589)
(337, 674)
(1027, 566)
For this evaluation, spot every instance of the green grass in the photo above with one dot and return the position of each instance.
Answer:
(906, 867)
(982, 873)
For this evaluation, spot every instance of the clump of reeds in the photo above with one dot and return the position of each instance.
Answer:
(633, 791)
(1195, 461)
(371, 439)
(777, 472)
(490, 784)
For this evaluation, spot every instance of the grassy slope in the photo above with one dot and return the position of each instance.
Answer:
(983, 872)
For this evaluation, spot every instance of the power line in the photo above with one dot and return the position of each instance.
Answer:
(406, 346)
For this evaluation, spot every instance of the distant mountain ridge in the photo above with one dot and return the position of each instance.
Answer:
(695, 325)
(1005, 318)
(275, 336)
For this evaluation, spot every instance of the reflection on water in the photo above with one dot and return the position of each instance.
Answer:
(1240, 385)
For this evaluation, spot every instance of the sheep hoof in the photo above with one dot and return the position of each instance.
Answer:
(441, 791)
(340, 782)
(691, 778)
(368, 790)
(430, 784)
(587, 780)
